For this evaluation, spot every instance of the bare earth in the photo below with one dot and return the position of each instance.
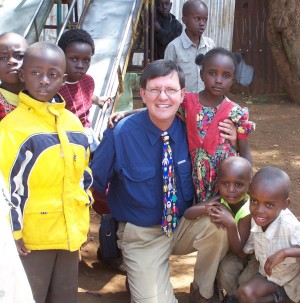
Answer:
(275, 142)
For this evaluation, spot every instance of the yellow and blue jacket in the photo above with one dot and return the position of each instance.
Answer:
(44, 160)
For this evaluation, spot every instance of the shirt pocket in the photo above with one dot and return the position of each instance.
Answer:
(140, 184)
(185, 180)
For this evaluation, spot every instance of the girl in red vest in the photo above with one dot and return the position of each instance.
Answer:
(202, 113)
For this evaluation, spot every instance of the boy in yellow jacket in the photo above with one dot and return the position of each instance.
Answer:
(44, 161)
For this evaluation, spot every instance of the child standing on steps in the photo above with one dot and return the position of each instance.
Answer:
(202, 113)
(12, 48)
(78, 90)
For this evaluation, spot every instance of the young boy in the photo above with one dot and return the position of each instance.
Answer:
(78, 90)
(166, 27)
(184, 49)
(12, 48)
(275, 239)
(234, 176)
(44, 161)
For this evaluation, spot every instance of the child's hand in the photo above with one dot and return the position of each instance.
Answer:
(273, 260)
(22, 250)
(104, 99)
(221, 216)
(228, 132)
(89, 239)
(113, 118)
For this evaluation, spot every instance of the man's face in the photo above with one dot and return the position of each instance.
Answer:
(164, 7)
(43, 74)
(162, 97)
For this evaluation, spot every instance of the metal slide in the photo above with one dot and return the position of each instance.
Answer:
(112, 24)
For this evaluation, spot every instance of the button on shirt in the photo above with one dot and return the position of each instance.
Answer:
(282, 233)
(184, 52)
(129, 159)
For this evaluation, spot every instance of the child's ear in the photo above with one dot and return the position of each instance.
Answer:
(201, 74)
(64, 79)
(286, 203)
(184, 20)
(21, 75)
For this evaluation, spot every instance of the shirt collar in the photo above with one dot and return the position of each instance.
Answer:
(187, 42)
(10, 97)
(270, 232)
(154, 133)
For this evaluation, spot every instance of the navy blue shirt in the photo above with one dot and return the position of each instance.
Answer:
(129, 159)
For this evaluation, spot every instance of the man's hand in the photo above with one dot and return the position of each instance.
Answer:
(22, 250)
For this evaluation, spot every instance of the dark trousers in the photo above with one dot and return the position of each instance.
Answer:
(53, 275)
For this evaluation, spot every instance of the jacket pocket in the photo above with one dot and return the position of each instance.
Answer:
(139, 182)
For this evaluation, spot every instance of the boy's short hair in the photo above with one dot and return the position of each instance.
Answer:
(274, 177)
(43, 46)
(76, 35)
(189, 3)
(161, 68)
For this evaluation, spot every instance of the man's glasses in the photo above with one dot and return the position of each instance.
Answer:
(168, 91)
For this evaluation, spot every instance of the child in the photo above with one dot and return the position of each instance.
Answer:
(12, 48)
(275, 239)
(14, 286)
(78, 90)
(202, 113)
(184, 49)
(234, 176)
(44, 161)
(166, 27)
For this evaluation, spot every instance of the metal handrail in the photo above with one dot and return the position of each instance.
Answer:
(33, 19)
(64, 26)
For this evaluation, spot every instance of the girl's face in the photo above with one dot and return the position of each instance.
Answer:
(78, 60)
(218, 75)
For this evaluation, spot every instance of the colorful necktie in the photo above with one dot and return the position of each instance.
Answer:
(170, 212)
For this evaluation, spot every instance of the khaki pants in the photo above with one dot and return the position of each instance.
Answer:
(146, 252)
(52, 275)
(234, 271)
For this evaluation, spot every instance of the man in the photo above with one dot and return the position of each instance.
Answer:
(149, 200)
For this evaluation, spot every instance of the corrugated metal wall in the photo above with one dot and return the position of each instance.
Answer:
(220, 20)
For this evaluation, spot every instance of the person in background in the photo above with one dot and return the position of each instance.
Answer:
(166, 27)
(12, 48)
(145, 160)
(78, 90)
(275, 240)
(230, 210)
(184, 49)
(44, 160)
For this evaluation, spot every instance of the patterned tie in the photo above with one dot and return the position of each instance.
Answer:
(170, 212)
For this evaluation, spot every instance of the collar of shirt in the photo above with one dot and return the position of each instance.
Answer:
(10, 97)
(187, 42)
(154, 133)
(270, 232)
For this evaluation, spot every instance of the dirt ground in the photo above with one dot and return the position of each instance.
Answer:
(275, 142)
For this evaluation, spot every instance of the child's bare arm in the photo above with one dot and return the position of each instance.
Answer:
(244, 150)
(279, 257)
(228, 132)
(201, 209)
(100, 101)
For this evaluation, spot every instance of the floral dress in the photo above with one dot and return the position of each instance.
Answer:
(207, 148)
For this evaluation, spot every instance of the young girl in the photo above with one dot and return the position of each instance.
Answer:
(202, 113)
(78, 90)
(12, 48)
